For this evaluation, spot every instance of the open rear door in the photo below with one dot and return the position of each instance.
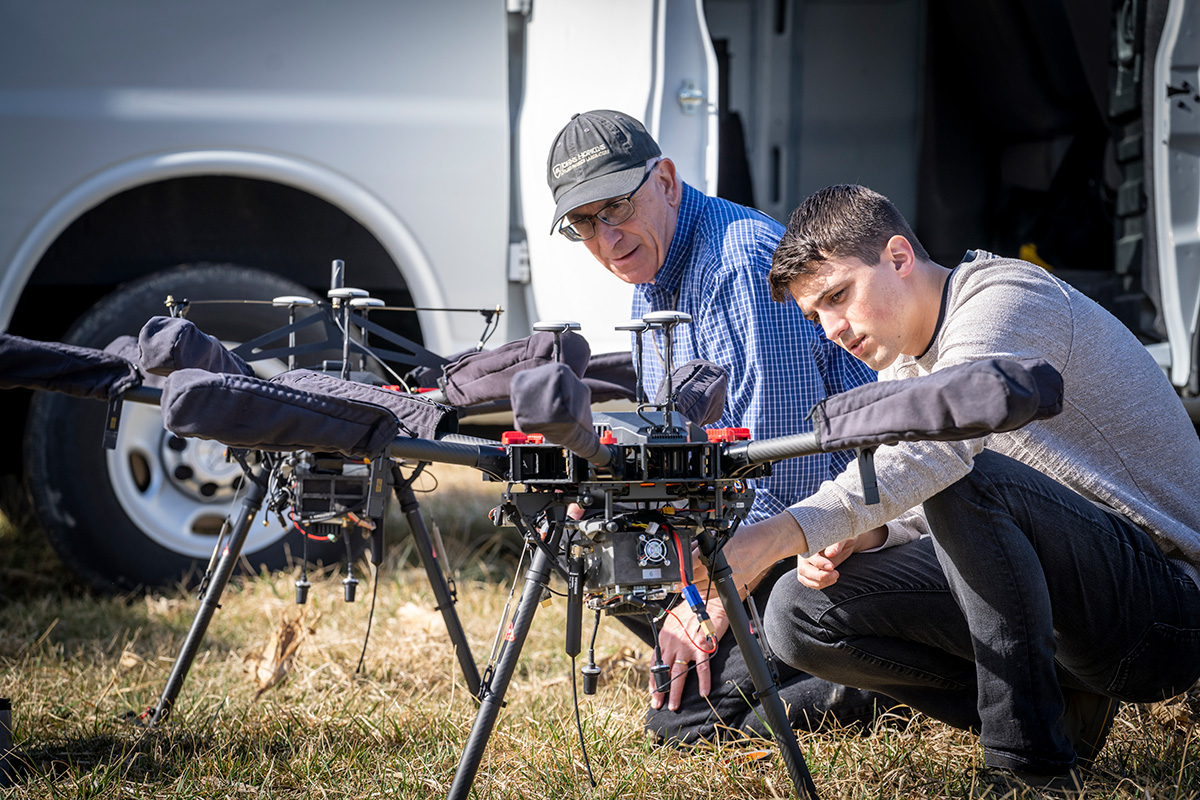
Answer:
(650, 59)
(1176, 158)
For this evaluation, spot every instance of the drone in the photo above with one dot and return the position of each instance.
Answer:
(326, 450)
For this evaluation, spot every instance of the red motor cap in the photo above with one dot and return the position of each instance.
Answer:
(728, 434)
(516, 437)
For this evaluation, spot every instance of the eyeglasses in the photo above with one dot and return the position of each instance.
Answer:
(613, 214)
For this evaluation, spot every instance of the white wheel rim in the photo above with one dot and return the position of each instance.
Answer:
(171, 511)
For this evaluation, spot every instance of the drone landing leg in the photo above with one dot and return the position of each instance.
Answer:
(760, 673)
(210, 601)
(536, 580)
(437, 579)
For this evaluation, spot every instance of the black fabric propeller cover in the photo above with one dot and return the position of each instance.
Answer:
(424, 376)
(416, 415)
(168, 344)
(64, 368)
(241, 411)
(553, 401)
(127, 348)
(956, 403)
(699, 387)
(611, 376)
(486, 375)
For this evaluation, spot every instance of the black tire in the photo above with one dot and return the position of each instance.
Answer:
(123, 519)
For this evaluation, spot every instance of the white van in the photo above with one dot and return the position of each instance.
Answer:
(224, 149)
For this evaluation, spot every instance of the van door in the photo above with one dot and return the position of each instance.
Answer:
(652, 60)
(1176, 159)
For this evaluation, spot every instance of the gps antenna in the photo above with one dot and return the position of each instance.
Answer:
(558, 327)
(638, 327)
(667, 320)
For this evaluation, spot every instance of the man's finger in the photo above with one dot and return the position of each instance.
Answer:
(809, 582)
(814, 578)
(818, 580)
(679, 669)
(656, 698)
(704, 676)
(807, 568)
(821, 562)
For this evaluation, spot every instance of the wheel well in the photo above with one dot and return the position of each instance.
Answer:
(214, 219)
(201, 219)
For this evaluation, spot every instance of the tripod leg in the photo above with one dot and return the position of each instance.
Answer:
(437, 580)
(210, 601)
(536, 579)
(760, 673)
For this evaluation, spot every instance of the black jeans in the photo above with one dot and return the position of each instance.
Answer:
(1025, 586)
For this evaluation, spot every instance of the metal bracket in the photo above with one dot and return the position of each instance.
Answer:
(690, 98)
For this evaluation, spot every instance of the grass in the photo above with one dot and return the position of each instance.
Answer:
(74, 665)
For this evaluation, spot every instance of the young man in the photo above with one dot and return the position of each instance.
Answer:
(681, 250)
(1060, 571)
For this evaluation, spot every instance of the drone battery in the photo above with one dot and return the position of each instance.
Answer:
(332, 492)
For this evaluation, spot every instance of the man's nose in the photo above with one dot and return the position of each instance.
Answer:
(834, 327)
(606, 234)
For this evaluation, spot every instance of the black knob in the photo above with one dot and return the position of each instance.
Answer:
(591, 678)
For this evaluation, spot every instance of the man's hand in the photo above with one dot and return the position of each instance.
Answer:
(753, 550)
(819, 571)
(678, 650)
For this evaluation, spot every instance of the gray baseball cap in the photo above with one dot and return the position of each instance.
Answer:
(598, 155)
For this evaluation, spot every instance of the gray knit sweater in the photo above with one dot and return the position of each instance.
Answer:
(1123, 439)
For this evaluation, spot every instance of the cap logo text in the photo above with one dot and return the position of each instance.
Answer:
(579, 159)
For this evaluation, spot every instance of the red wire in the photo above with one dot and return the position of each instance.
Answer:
(689, 636)
(296, 525)
(679, 549)
(683, 579)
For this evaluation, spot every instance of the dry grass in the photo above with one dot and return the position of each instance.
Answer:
(74, 664)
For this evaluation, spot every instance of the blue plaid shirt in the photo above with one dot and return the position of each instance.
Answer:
(779, 364)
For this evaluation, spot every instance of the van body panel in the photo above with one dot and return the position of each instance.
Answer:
(375, 95)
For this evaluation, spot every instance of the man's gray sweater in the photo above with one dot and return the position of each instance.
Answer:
(1123, 439)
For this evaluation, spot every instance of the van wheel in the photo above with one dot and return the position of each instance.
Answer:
(147, 514)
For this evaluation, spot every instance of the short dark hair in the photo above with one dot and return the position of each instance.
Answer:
(836, 222)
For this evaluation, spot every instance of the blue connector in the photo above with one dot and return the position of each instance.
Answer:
(692, 595)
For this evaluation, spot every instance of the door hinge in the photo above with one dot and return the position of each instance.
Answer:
(518, 261)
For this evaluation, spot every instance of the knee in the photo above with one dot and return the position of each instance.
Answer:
(787, 624)
(686, 726)
(986, 487)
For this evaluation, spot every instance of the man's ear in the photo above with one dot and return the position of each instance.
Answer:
(899, 254)
(672, 186)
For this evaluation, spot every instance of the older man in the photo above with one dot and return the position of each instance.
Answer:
(617, 195)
